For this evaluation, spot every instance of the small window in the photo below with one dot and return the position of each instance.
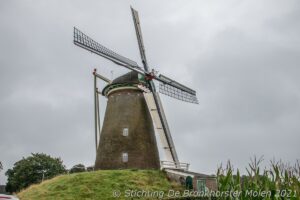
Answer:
(125, 132)
(125, 157)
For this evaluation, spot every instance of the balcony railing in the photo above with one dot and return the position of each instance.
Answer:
(174, 165)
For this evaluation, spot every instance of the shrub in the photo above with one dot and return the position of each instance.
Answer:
(77, 168)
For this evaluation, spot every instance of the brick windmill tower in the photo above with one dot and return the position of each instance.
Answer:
(127, 134)
(127, 139)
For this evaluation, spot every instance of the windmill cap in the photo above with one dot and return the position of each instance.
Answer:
(130, 79)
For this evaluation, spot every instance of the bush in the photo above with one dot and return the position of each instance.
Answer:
(77, 168)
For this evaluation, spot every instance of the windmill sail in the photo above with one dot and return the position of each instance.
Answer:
(176, 90)
(138, 31)
(84, 41)
(161, 118)
(165, 137)
(167, 86)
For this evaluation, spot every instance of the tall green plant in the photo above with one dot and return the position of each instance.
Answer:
(281, 180)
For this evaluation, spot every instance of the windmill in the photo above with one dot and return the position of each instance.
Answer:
(136, 86)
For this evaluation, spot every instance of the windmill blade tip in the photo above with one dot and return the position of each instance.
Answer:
(132, 9)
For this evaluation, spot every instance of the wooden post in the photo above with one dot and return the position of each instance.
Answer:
(95, 107)
(98, 116)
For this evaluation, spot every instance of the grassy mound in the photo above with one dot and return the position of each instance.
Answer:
(99, 185)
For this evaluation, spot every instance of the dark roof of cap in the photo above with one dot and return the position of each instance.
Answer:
(130, 77)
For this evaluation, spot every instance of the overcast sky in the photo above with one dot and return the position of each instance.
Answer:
(242, 58)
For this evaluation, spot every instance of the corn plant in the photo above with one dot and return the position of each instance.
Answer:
(279, 181)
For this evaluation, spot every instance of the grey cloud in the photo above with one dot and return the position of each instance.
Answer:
(241, 58)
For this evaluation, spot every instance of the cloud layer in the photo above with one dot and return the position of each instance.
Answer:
(242, 58)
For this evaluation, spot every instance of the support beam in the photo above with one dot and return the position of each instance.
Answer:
(95, 109)
(98, 118)
(101, 77)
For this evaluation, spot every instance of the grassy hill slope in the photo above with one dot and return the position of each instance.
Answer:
(98, 185)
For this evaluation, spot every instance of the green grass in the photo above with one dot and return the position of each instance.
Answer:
(98, 185)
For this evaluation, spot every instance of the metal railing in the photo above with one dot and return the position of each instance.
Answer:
(174, 165)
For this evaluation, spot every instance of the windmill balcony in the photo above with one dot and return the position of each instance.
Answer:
(174, 165)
